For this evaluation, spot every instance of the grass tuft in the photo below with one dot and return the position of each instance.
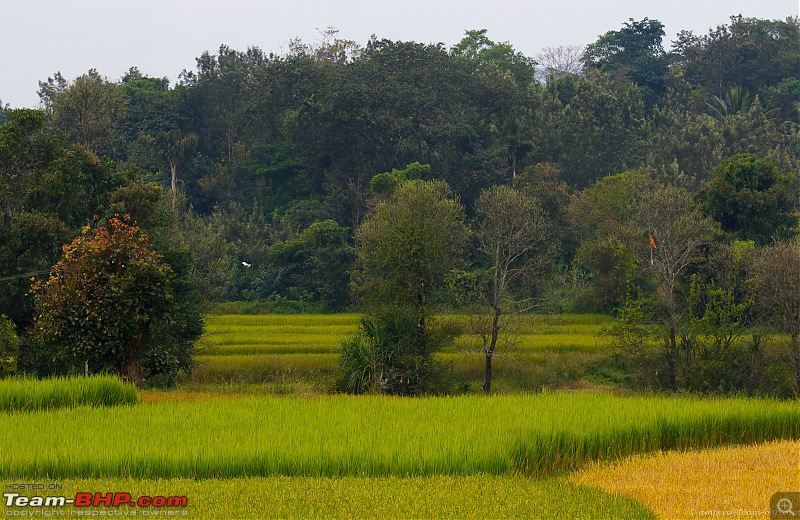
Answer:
(30, 395)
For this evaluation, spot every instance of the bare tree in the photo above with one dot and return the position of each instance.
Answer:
(776, 273)
(513, 234)
(672, 231)
(556, 62)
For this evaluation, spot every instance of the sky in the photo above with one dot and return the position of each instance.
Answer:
(163, 37)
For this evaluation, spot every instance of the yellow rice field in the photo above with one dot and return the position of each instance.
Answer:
(730, 482)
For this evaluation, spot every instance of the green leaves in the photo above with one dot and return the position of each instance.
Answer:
(409, 244)
(750, 198)
(102, 297)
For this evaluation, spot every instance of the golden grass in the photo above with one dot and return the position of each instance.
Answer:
(732, 482)
(464, 497)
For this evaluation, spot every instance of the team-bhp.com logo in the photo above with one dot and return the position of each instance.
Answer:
(94, 500)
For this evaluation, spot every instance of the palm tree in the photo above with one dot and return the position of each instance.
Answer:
(173, 148)
(737, 101)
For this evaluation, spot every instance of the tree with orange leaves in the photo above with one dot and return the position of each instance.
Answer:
(95, 310)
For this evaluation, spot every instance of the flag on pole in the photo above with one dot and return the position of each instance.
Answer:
(652, 242)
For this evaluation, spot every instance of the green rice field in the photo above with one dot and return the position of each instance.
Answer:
(236, 450)
(371, 436)
(273, 348)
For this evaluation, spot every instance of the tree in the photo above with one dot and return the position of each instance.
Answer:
(329, 47)
(48, 190)
(9, 346)
(317, 263)
(48, 90)
(736, 101)
(634, 50)
(603, 124)
(604, 217)
(671, 232)
(101, 300)
(4, 107)
(776, 276)
(172, 148)
(90, 110)
(408, 244)
(405, 249)
(513, 234)
(716, 352)
(217, 101)
(750, 198)
(750, 52)
(170, 348)
(557, 62)
(152, 106)
(477, 47)
(681, 147)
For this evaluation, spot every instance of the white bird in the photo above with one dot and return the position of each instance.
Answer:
(246, 264)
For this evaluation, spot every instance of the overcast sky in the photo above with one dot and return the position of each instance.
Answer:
(163, 37)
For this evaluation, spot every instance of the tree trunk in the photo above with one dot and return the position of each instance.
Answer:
(131, 370)
(671, 358)
(487, 378)
(173, 170)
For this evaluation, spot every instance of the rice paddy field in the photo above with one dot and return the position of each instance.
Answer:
(732, 481)
(478, 497)
(237, 449)
(532, 435)
(302, 350)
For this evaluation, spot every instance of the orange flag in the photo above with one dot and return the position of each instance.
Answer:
(652, 242)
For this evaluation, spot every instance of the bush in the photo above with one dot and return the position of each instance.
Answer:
(392, 355)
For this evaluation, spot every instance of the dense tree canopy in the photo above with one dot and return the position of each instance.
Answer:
(750, 198)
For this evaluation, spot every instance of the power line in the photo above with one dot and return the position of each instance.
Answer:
(25, 275)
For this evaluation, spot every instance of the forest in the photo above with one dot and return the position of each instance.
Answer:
(655, 183)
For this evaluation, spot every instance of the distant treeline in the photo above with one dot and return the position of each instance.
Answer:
(268, 158)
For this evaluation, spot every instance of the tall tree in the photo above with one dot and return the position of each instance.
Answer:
(603, 216)
(91, 111)
(408, 244)
(477, 47)
(512, 232)
(170, 348)
(48, 189)
(750, 52)
(636, 51)
(172, 148)
(557, 62)
(152, 106)
(603, 124)
(671, 233)
(406, 248)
